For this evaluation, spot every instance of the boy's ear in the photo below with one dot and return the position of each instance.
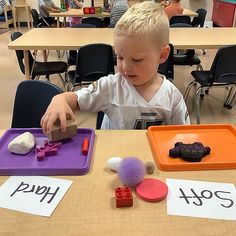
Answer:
(164, 54)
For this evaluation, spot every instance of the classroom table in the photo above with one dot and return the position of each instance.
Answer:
(72, 39)
(188, 12)
(80, 13)
(88, 208)
(76, 13)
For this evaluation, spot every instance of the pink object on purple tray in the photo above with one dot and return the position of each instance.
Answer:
(48, 149)
(68, 161)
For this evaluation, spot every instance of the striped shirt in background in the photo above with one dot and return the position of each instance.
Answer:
(119, 7)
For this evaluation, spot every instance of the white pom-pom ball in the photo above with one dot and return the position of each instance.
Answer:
(113, 163)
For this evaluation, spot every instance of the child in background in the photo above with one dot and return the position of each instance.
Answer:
(137, 96)
(175, 8)
(75, 4)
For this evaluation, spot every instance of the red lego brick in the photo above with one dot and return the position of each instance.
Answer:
(124, 197)
(86, 10)
(92, 10)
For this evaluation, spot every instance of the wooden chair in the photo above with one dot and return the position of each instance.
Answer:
(7, 17)
(22, 4)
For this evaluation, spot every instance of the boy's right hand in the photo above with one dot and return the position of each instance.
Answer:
(58, 109)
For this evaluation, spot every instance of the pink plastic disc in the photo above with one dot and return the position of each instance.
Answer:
(152, 190)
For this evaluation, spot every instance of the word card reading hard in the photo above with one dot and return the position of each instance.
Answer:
(201, 199)
(37, 195)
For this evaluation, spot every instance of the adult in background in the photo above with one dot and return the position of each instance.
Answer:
(45, 8)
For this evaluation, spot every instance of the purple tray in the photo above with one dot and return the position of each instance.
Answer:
(68, 161)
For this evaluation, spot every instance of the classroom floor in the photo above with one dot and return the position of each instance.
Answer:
(212, 110)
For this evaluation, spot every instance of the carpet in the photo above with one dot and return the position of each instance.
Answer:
(2, 31)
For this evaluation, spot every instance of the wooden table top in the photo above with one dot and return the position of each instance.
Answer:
(78, 13)
(188, 12)
(72, 38)
(88, 207)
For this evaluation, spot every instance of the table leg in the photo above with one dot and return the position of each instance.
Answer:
(64, 21)
(58, 22)
(45, 56)
(14, 16)
(28, 16)
(26, 62)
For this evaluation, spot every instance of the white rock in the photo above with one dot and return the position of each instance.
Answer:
(113, 163)
(22, 144)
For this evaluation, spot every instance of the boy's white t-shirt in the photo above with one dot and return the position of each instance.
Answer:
(124, 108)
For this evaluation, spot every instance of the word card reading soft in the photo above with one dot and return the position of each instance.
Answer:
(201, 199)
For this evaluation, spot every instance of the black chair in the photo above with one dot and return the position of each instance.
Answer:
(187, 57)
(221, 73)
(93, 62)
(180, 19)
(71, 60)
(31, 101)
(39, 68)
(199, 20)
(99, 119)
(167, 68)
(37, 21)
(97, 22)
(83, 25)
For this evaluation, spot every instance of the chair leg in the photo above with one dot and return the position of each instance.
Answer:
(69, 87)
(188, 89)
(231, 98)
(199, 67)
(197, 105)
(47, 78)
(62, 80)
(228, 98)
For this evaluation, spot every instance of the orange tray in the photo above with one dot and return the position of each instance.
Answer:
(220, 138)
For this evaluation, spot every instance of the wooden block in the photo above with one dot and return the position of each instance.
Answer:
(56, 133)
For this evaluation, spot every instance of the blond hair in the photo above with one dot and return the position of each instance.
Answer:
(145, 19)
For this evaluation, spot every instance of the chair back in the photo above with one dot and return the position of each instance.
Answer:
(20, 54)
(190, 52)
(35, 17)
(31, 101)
(167, 68)
(83, 25)
(97, 22)
(223, 68)
(180, 19)
(73, 53)
(99, 119)
(199, 20)
(94, 61)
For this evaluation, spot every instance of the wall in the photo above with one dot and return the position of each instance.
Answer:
(195, 4)
(190, 4)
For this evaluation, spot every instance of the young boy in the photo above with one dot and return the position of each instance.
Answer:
(137, 96)
(175, 8)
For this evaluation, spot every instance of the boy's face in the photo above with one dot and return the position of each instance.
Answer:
(137, 59)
